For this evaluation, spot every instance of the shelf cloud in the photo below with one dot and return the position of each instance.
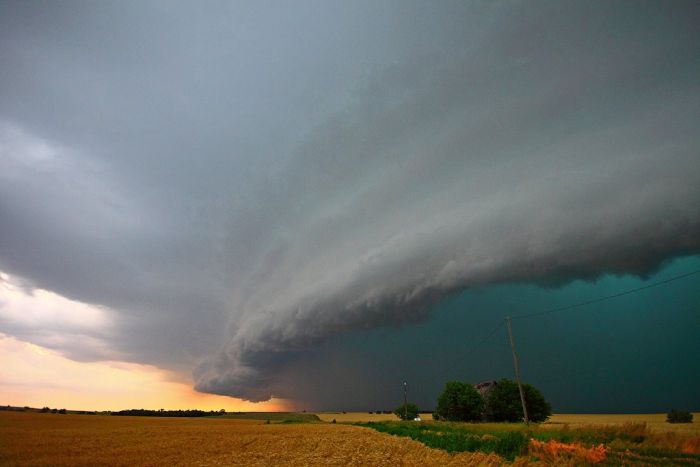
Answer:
(239, 184)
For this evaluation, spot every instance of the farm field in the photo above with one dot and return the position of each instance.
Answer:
(655, 422)
(608, 442)
(62, 440)
(30, 438)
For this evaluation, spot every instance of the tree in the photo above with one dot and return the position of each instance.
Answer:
(679, 416)
(503, 403)
(407, 412)
(460, 402)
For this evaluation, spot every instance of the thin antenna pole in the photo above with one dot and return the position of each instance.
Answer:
(405, 400)
(517, 370)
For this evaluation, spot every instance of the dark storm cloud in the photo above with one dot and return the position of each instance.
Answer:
(242, 182)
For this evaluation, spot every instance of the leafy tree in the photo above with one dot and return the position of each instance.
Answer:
(460, 402)
(407, 412)
(503, 403)
(679, 416)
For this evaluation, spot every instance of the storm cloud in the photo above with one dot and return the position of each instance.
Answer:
(241, 183)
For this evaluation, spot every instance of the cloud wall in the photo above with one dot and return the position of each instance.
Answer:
(238, 184)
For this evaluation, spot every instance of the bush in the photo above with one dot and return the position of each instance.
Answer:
(409, 412)
(504, 405)
(460, 402)
(679, 416)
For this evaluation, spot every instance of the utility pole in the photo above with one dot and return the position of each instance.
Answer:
(517, 370)
(405, 400)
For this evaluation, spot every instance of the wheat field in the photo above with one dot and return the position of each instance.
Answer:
(655, 422)
(35, 439)
(44, 439)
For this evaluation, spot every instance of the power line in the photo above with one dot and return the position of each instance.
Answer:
(607, 297)
(470, 350)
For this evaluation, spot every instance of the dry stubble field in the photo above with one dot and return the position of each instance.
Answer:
(62, 440)
(28, 438)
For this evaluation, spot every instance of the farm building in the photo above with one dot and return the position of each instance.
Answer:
(485, 387)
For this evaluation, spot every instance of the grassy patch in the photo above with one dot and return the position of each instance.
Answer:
(458, 438)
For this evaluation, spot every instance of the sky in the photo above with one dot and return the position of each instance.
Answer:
(304, 205)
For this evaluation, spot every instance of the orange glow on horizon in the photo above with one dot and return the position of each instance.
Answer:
(31, 375)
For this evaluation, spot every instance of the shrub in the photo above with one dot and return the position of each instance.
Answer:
(407, 412)
(679, 416)
(504, 404)
(460, 402)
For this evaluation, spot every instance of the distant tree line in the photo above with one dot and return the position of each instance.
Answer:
(48, 410)
(11, 408)
(168, 413)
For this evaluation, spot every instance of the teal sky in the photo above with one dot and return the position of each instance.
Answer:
(637, 353)
(317, 200)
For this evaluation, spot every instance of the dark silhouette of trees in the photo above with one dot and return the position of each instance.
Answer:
(407, 412)
(503, 403)
(166, 413)
(460, 402)
(679, 416)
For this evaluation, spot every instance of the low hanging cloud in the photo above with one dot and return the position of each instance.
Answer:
(238, 197)
(396, 208)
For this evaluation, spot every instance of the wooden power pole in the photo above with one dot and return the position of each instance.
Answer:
(517, 370)
(405, 400)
